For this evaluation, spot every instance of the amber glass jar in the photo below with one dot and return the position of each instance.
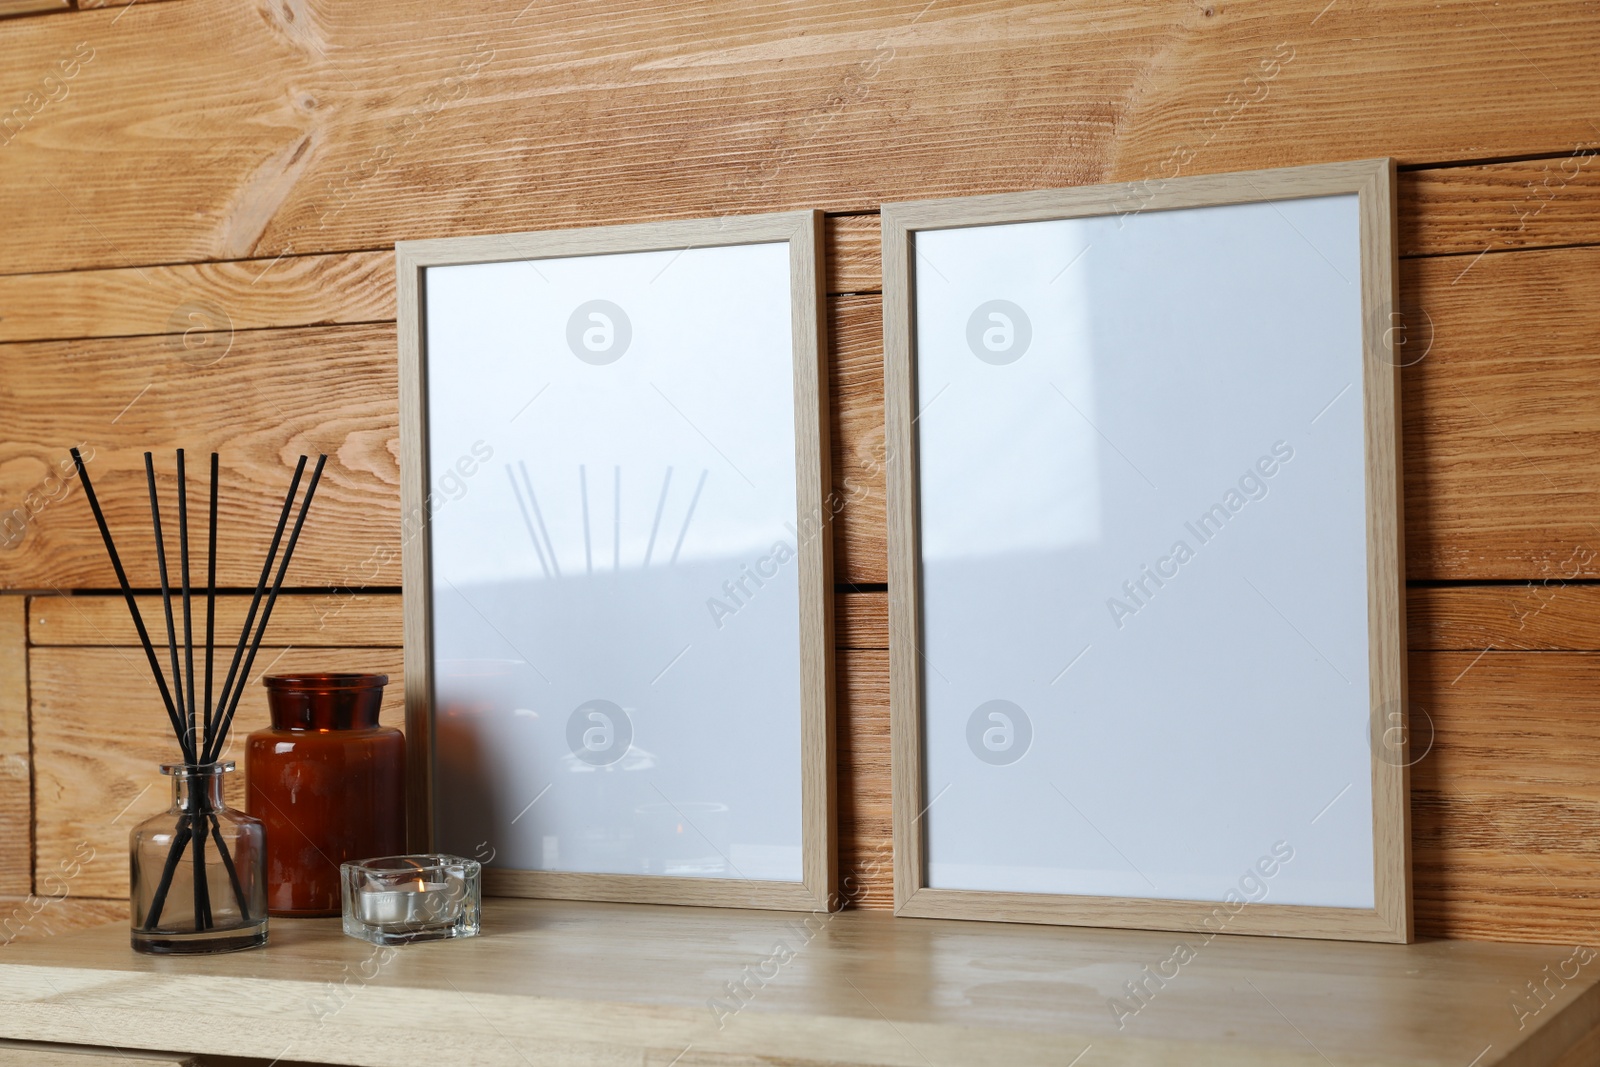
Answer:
(329, 784)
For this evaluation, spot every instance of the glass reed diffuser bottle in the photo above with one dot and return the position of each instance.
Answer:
(198, 870)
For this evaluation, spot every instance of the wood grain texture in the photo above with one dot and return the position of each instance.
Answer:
(1505, 801)
(339, 127)
(201, 303)
(1502, 442)
(575, 984)
(324, 620)
(861, 620)
(856, 367)
(1545, 616)
(866, 844)
(83, 1056)
(854, 255)
(1583, 1054)
(907, 780)
(1443, 210)
(12, 8)
(49, 914)
(275, 395)
(101, 734)
(86, 5)
(1528, 204)
(16, 757)
(415, 561)
(1385, 533)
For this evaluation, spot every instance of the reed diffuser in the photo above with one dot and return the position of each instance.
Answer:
(198, 869)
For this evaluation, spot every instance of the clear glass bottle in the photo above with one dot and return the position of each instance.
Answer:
(198, 870)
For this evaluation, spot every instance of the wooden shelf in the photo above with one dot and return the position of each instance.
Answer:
(557, 982)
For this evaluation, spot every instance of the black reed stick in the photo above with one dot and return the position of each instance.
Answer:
(266, 615)
(227, 863)
(202, 890)
(188, 620)
(212, 731)
(184, 739)
(127, 595)
(250, 617)
(180, 841)
(222, 722)
(211, 606)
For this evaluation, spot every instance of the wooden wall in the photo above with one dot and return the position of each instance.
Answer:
(200, 198)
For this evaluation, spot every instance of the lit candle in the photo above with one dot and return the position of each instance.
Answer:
(415, 903)
(400, 900)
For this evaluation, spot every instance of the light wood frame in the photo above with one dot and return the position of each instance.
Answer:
(1373, 181)
(802, 230)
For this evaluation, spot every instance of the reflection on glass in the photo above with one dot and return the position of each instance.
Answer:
(616, 597)
(1143, 546)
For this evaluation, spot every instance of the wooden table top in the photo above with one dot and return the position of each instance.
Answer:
(560, 982)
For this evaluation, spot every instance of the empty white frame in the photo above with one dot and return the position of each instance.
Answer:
(614, 455)
(1146, 598)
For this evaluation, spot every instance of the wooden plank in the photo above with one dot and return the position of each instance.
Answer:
(1548, 615)
(574, 983)
(202, 303)
(861, 620)
(1505, 802)
(324, 620)
(584, 984)
(860, 548)
(347, 129)
(96, 759)
(13, 8)
(855, 254)
(865, 840)
(1528, 204)
(1502, 415)
(83, 1056)
(16, 765)
(276, 394)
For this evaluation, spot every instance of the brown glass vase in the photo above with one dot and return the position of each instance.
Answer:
(329, 784)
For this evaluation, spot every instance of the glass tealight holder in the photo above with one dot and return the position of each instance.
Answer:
(400, 900)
